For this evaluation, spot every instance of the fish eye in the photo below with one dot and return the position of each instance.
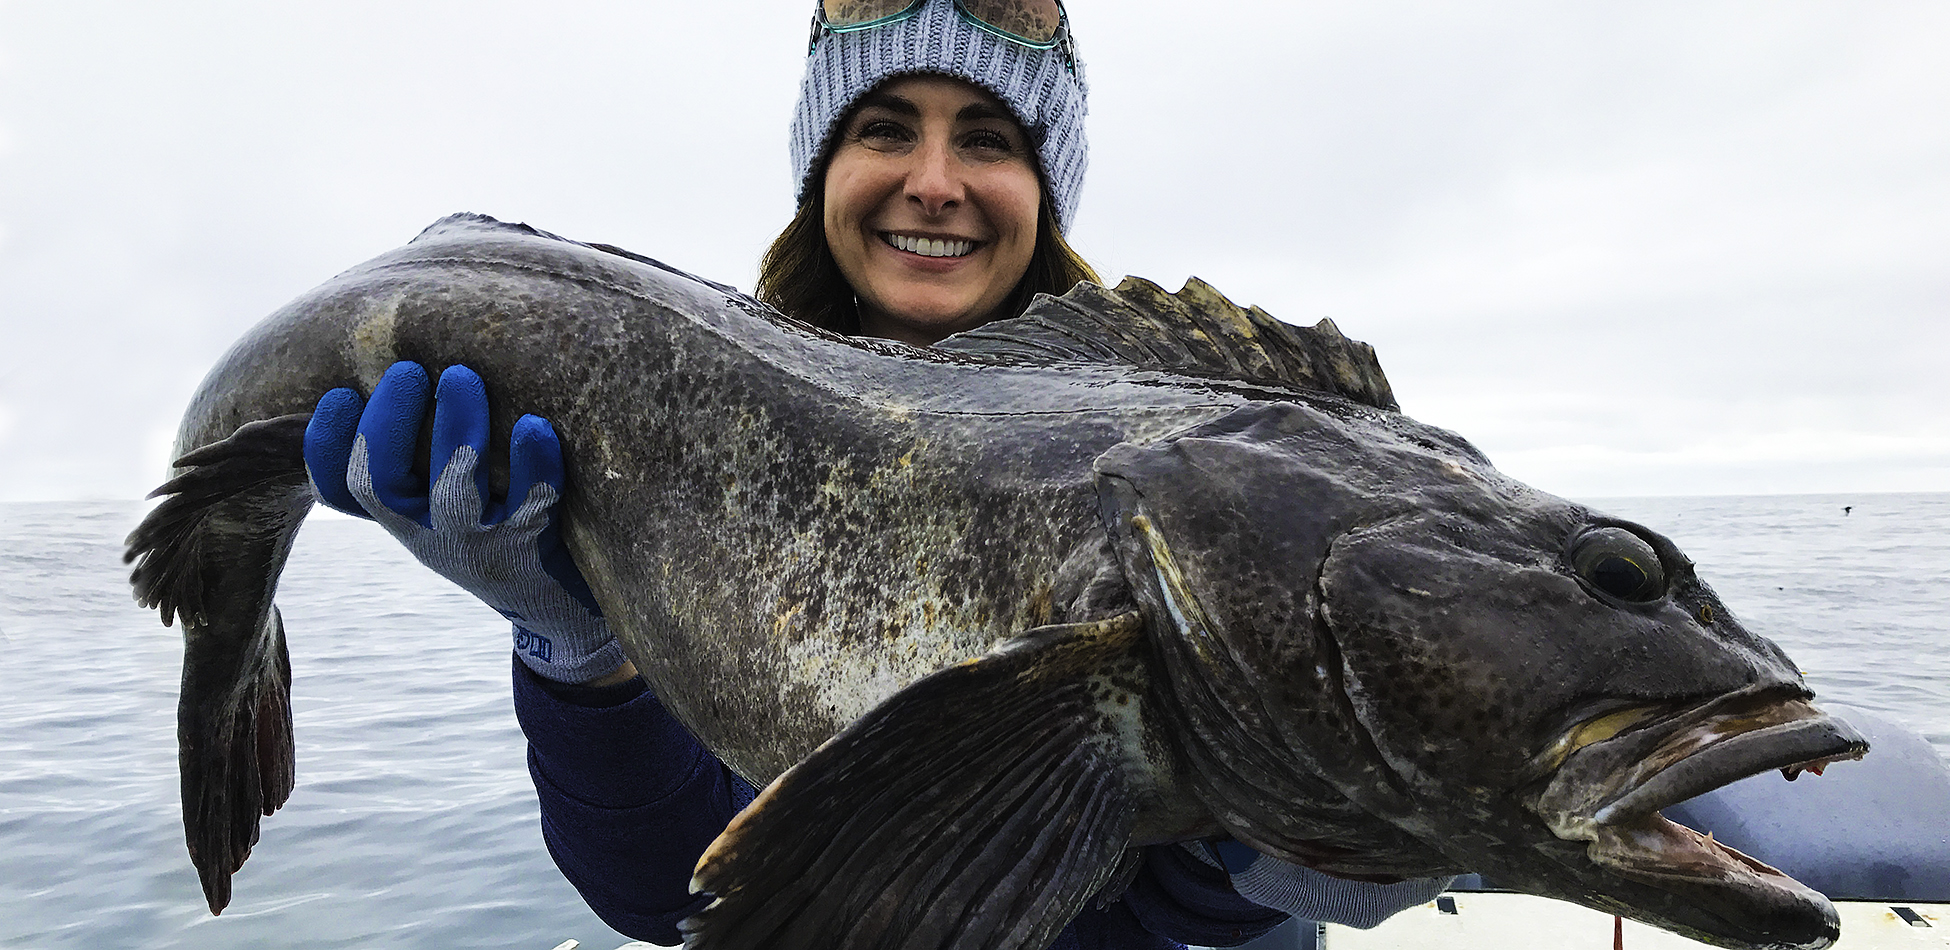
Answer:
(1619, 563)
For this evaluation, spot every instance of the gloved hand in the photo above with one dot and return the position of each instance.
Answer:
(1310, 894)
(507, 552)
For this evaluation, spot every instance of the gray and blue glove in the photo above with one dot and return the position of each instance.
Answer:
(507, 552)
(1310, 894)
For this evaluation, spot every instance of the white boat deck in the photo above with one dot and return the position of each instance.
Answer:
(1492, 921)
(1468, 920)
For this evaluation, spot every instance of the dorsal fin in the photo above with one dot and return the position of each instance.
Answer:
(469, 221)
(1195, 332)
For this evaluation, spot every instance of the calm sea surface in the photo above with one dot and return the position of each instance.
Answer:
(414, 825)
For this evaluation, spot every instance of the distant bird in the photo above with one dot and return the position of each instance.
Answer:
(1846, 509)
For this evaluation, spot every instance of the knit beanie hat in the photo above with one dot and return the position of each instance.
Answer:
(1047, 96)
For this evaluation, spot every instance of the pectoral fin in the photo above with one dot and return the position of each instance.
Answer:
(981, 807)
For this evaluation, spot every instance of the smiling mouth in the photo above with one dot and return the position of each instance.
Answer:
(929, 247)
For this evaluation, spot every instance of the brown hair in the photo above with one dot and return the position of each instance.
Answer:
(799, 276)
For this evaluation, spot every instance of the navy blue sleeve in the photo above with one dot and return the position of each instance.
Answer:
(1175, 900)
(629, 799)
(1113, 928)
(1185, 899)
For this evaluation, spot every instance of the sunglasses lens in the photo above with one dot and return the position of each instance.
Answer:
(841, 14)
(1035, 21)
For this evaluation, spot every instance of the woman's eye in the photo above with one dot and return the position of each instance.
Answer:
(1619, 563)
(988, 141)
(883, 132)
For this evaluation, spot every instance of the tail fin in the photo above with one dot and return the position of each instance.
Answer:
(210, 554)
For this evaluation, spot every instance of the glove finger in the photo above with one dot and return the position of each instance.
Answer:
(460, 421)
(534, 456)
(536, 476)
(391, 428)
(328, 448)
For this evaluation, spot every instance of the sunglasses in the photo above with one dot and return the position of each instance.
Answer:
(1036, 24)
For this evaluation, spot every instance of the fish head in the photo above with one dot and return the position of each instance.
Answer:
(1500, 680)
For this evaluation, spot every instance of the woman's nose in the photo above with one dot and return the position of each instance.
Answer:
(935, 182)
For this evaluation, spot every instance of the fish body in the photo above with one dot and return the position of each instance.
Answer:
(1133, 568)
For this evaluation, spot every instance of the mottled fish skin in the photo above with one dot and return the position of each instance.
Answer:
(864, 512)
(1361, 647)
(1370, 599)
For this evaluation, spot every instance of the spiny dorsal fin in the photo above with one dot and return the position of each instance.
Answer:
(1196, 332)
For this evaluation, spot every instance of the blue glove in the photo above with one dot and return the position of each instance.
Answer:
(1310, 894)
(507, 552)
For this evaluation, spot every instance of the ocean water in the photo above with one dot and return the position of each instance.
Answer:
(414, 823)
(1860, 600)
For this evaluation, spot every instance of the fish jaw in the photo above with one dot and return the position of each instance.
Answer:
(1608, 793)
(1666, 698)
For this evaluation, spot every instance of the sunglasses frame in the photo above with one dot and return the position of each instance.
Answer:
(1060, 42)
(820, 25)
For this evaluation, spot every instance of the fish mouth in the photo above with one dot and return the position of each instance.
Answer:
(1609, 776)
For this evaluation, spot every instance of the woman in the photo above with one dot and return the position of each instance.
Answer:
(939, 151)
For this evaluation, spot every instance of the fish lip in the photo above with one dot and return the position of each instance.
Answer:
(1721, 892)
(1689, 749)
(1801, 742)
(1610, 792)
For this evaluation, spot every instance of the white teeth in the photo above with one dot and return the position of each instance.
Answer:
(930, 247)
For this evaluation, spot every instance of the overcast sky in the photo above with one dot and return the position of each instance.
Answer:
(1626, 248)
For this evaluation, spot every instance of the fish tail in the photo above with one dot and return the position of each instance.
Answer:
(210, 555)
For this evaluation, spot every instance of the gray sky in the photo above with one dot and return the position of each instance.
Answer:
(1626, 248)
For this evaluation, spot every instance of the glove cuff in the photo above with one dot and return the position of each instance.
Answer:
(556, 659)
(1305, 892)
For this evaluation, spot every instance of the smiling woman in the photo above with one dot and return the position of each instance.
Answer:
(934, 159)
(939, 152)
(931, 199)
(951, 121)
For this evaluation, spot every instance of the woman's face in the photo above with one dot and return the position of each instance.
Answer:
(931, 203)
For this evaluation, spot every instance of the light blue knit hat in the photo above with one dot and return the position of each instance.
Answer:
(1045, 93)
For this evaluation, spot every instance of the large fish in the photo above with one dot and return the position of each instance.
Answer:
(1133, 568)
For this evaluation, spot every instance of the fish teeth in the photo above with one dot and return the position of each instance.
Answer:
(929, 247)
(1792, 772)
